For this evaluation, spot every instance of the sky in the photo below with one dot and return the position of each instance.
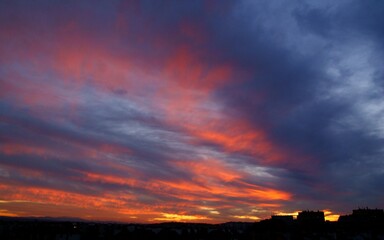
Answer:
(193, 111)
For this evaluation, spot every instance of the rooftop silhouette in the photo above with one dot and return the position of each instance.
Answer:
(361, 224)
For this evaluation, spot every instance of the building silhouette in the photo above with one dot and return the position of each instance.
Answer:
(311, 217)
(282, 218)
(360, 224)
(364, 215)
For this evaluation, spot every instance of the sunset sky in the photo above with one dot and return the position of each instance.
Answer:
(194, 111)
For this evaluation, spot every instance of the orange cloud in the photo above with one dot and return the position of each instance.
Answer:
(51, 196)
(211, 178)
(94, 177)
(209, 168)
(236, 136)
(94, 150)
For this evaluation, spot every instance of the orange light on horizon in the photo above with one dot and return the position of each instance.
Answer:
(247, 217)
(330, 216)
(179, 217)
(293, 214)
(6, 213)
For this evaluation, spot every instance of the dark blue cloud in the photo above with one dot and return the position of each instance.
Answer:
(287, 93)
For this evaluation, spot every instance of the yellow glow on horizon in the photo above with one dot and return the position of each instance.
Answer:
(179, 217)
(16, 201)
(330, 216)
(333, 217)
(6, 213)
(247, 217)
(294, 214)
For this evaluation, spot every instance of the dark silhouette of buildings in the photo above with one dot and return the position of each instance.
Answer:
(361, 224)
(283, 218)
(311, 217)
(368, 223)
(364, 215)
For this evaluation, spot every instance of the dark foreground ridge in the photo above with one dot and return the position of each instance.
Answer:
(361, 224)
